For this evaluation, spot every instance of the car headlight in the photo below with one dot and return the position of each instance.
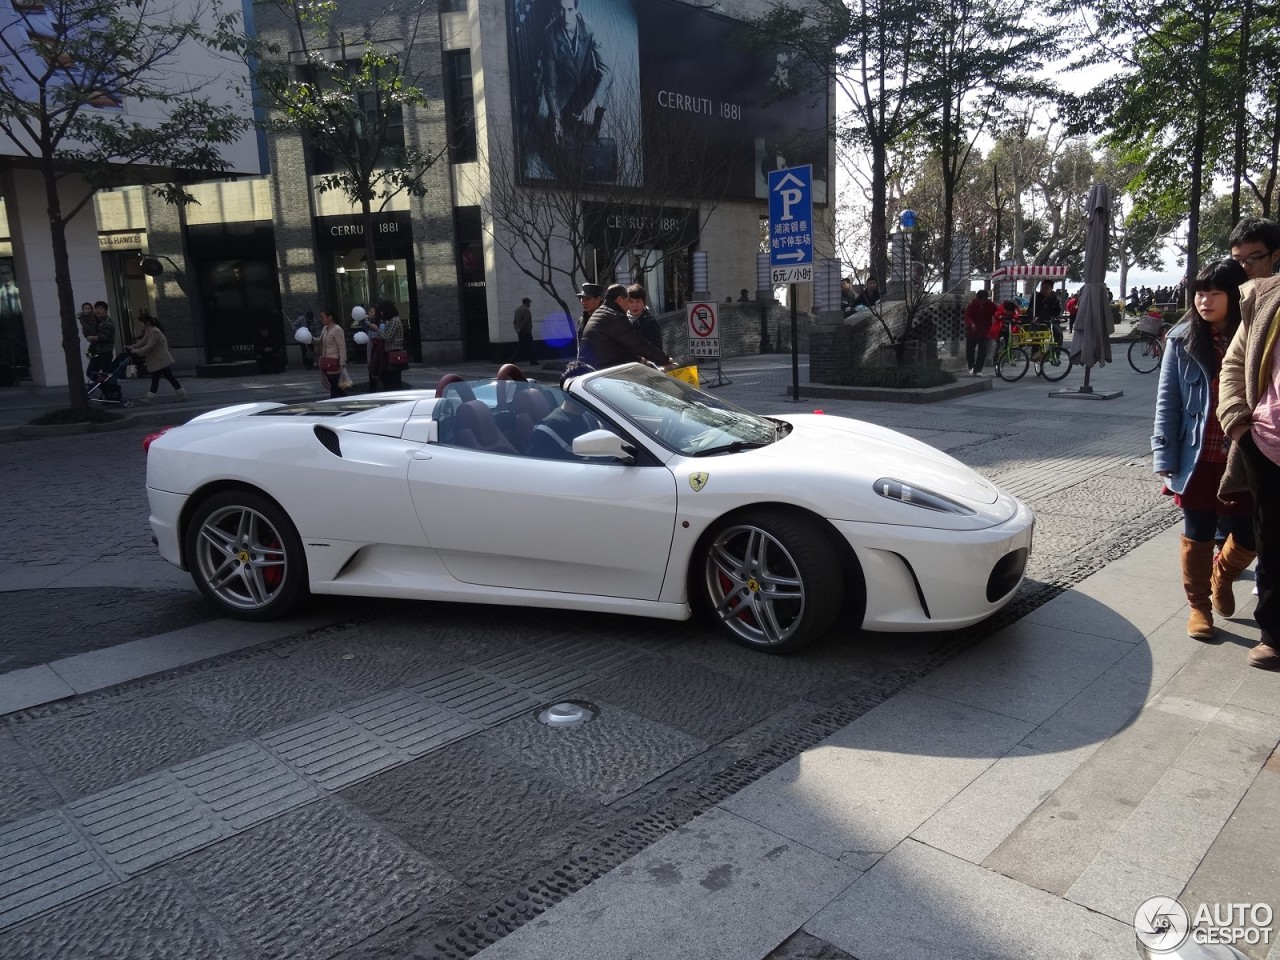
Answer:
(919, 497)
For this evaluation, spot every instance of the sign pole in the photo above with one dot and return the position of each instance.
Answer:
(795, 345)
(791, 244)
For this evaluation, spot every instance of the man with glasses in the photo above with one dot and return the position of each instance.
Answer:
(1249, 411)
(1255, 245)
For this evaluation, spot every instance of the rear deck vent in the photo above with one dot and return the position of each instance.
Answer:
(330, 440)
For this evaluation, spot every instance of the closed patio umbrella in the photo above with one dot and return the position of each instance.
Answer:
(1091, 343)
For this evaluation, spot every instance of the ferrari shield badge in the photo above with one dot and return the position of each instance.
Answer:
(697, 481)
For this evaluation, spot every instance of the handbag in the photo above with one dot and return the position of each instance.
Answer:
(328, 364)
(398, 358)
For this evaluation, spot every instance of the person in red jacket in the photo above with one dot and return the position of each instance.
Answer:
(1072, 307)
(977, 324)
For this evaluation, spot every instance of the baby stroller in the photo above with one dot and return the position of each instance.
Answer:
(106, 386)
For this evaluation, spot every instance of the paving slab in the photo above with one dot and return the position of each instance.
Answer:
(1116, 888)
(1108, 605)
(20, 689)
(1055, 845)
(861, 791)
(1197, 805)
(1027, 670)
(983, 814)
(924, 904)
(1162, 654)
(1233, 746)
(718, 887)
(1240, 865)
(139, 658)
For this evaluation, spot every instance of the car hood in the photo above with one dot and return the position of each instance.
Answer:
(855, 447)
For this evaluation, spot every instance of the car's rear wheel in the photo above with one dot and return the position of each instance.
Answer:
(772, 580)
(245, 555)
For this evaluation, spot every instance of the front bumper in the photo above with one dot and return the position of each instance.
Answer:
(928, 579)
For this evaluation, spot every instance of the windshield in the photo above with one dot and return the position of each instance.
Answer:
(679, 417)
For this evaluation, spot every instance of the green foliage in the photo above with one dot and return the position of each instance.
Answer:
(348, 99)
(893, 378)
(68, 76)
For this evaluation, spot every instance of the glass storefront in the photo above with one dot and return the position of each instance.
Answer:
(14, 362)
(341, 240)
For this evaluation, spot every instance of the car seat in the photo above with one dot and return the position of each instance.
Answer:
(478, 431)
(530, 405)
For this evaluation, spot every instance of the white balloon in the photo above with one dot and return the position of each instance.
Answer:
(358, 314)
(302, 335)
(361, 338)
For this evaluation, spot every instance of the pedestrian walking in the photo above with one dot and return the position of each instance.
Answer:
(306, 321)
(523, 322)
(153, 349)
(101, 341)
(1249, 409)
(978, 317)
(331, 353)
(391, 333)
(1189, 448)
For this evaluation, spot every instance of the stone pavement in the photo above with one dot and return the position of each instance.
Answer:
(1017, 801)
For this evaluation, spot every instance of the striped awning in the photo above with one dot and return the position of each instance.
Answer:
(1046, 271)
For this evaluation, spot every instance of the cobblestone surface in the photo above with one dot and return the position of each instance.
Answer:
(448, 852)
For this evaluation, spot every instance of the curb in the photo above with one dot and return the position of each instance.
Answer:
(70, 429)
(894, 395)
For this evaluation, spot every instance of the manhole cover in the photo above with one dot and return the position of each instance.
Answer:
(568, 713)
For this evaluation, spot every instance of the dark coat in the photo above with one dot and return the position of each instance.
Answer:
(1245, 369)
(608, 339)
(649, 329)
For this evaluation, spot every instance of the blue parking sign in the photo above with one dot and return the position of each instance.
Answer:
(791, 225)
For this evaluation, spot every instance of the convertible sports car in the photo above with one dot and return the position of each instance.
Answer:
(626, 492)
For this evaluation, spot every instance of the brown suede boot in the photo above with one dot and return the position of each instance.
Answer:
(1227, 565)
(1197, 571)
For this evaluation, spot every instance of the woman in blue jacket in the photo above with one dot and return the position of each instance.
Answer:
(1190, 450)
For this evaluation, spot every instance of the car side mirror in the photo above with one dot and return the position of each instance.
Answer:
(603, 444)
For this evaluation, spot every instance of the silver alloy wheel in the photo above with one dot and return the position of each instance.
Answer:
(241, 556)
(755, 585)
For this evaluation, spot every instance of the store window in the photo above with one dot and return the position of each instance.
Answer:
(460, 106)
(351, 280)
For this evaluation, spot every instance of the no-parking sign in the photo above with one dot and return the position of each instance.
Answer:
(704, 333)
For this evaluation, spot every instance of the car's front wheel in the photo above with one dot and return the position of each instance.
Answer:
(772, 580)
(245, 555)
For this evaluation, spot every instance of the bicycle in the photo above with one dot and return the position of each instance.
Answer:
(1011, 360)
(1050, 358)
(1147, 350)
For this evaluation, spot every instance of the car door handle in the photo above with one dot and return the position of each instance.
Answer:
(421, 455)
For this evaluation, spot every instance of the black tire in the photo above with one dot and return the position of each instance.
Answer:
(1144, 354)
(1054, 365)
(1013, 367)
(245, 556)
(772, 580)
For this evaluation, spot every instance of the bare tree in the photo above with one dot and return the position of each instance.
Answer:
(71, 68)
(659, 197)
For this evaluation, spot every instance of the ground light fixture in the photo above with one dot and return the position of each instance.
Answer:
(567, 713)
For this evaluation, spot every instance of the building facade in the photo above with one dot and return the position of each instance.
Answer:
(644, 118)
